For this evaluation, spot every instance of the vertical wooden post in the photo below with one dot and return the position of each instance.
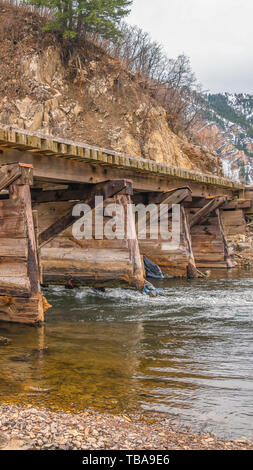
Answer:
(192, 272)
(36, 231)
(224, 240)
(20, 189)
(133, 244)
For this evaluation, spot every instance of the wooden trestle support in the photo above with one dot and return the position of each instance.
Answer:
(21, 299)
(37, 244)
(23, 249)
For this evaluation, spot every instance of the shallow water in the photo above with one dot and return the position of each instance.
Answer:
(185, 357)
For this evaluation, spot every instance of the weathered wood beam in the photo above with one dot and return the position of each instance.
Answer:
(199, 202)
(202, 214)
(11, 208)
(169, 199)
(196, 203)
(107, 189)
(61, 195)
(61, 170)
(19, 309)
(238, 204)
(20, 190)
(192, 271)
(227, 257)
(8, 174)
(36, 233)
(133, 244)
(74, 193)
(15, 286)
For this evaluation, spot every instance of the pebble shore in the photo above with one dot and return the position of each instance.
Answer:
(28, 427)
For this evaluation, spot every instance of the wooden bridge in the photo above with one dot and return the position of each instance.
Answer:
(42, 179)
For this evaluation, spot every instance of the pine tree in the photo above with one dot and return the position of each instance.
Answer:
(76, 18)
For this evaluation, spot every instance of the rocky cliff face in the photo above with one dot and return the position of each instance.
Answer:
(84, 95)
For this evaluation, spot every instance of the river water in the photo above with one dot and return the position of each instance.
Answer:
(184, 357)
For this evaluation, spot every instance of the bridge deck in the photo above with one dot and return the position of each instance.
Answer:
(63, 160)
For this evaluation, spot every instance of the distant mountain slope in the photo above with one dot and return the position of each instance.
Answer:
(227, 128)
(233, 108)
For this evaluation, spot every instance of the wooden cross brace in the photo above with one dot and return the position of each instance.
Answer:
(87, 195)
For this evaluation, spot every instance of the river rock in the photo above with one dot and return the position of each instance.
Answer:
(7, 443)
(4, 341)
(38, 389)
(3, 441)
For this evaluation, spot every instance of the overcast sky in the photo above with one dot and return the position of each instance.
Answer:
(215, 34)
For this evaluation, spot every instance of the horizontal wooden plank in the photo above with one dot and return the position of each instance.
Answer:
(204, 230)
(211, 264)
(17, 286)
(13, 267)
(233, 217)
(84, 268)
(203, 257)
(207, 248)
(70, 242)
(238, 204)
(11, 247)
(13, 227)
(235, 230)
(20, 310)
(58, 272)
(83, 255)
(235, 203)
(11, 208)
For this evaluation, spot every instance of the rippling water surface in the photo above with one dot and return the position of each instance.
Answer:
(185, 356)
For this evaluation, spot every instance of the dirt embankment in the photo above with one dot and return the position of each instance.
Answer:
(83, 94)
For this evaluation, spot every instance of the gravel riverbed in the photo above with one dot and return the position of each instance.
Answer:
(28, 427)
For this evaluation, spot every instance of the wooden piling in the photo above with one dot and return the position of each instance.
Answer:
(20, 294)
(227, 257)
(137, 279)
(192, 272)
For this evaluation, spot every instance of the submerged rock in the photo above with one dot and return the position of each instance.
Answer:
(40, 351)
(151, 290)
(38, 389)
(24, 358)
(4, 341)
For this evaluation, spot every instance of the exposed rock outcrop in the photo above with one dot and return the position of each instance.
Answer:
(86, 96)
